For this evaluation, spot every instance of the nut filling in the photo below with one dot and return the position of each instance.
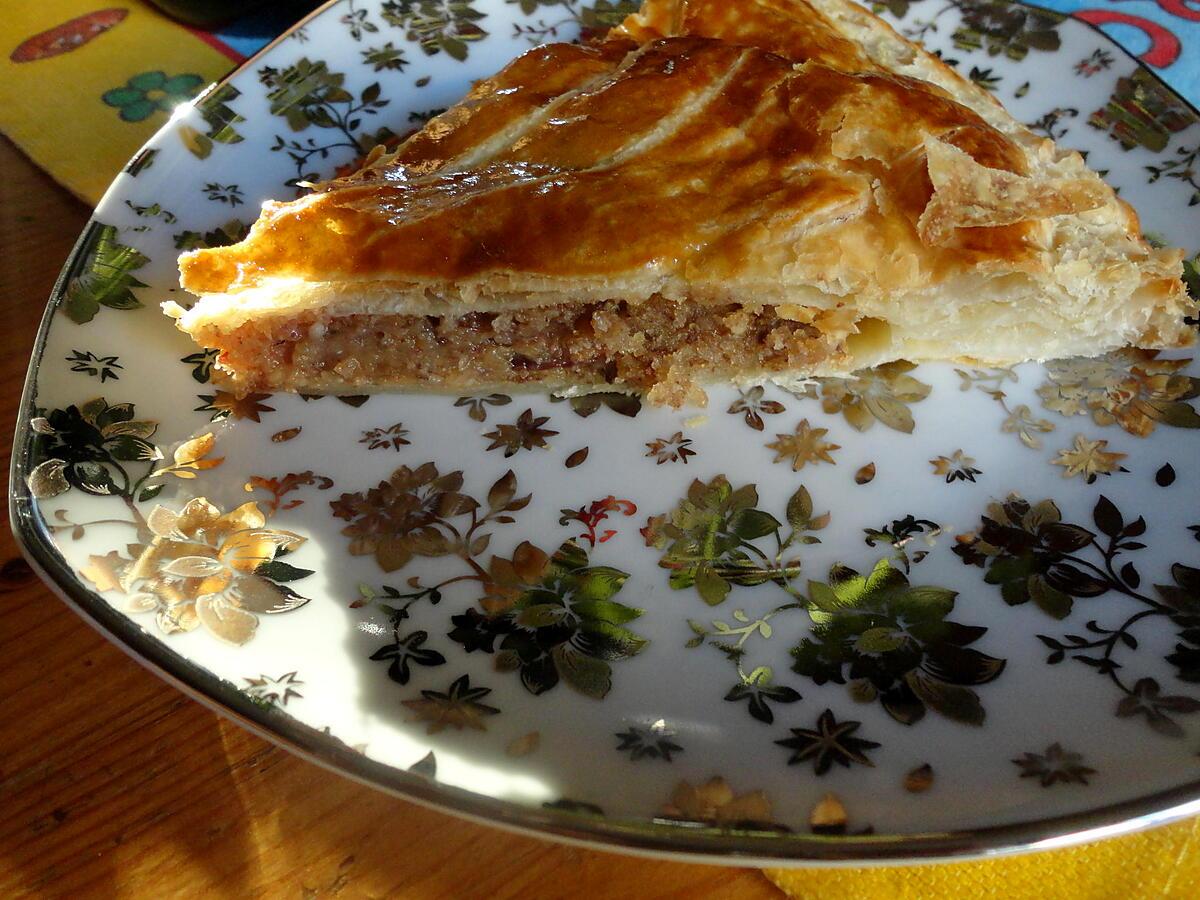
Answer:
(660, 345)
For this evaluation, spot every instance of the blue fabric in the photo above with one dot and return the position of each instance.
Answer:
(1179, 19)
(252, 32)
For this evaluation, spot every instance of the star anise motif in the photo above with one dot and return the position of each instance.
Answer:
(524, 434)
(224, 404)
(393, 436)
(648, 743)
(804, 446)
(275, 691)
(675, 448)
(753, 407)
(1055, 766)
(457, 708)
(1088, 459)
(103, 367)
(828, 743)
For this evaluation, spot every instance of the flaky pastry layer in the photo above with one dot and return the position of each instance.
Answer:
(775, 155)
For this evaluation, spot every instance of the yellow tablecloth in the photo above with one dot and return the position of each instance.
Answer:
(1160, 863)
(84, 83)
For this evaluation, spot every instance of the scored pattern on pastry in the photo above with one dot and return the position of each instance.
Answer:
(771, 189)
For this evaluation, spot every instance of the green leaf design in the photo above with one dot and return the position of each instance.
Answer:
(823, 597)
(278, 570)
(541, 615)
(222, 236)
(880, 639)
(598, 586)
(606, 610)
(591, 677)
(713, 589)
(893, 643)
(106, 279)
(1049, 599)
(605, 640)
(128, 448)
(952, 701)
(436, 25)
(853, 589)
(707, 540)
(749, 524)
(800, 509)
(556, 618)
(149, 493)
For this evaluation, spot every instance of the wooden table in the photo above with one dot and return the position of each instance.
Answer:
(112, 784)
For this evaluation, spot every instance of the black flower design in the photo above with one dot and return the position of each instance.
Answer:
(405, 651)
(524, 434)
(830, 742)
(86, 446)
(1055, 766)
(1183, 599)
(555, 619)
(1147, 700)
(756, 688)
(648, 743)
(892, 641)
(1027, 550)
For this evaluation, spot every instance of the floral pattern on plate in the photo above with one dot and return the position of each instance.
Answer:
(601, 617)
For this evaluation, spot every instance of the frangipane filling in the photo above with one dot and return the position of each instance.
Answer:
(661, 344)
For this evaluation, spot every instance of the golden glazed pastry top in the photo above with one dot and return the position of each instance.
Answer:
(681, 158)
(794, 29)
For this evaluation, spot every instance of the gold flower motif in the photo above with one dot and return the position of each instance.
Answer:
(1130, 387)
(1055, 766)
(526, 433)
(105, 571)
(224, 404)
(1088, 459)
(457, 708)
(805, 446)
(675, 448)
(752, 406)
(955, 467)
(508, 579)
(199, 569)
(404, 516)
(882, 393)
(1022, 423)
(714, 802)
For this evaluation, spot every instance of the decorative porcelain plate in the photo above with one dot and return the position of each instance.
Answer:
(917, 613)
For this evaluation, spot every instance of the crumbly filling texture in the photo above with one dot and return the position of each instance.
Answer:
(661, 347)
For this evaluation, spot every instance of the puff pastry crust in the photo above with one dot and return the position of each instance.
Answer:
(720, 190)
